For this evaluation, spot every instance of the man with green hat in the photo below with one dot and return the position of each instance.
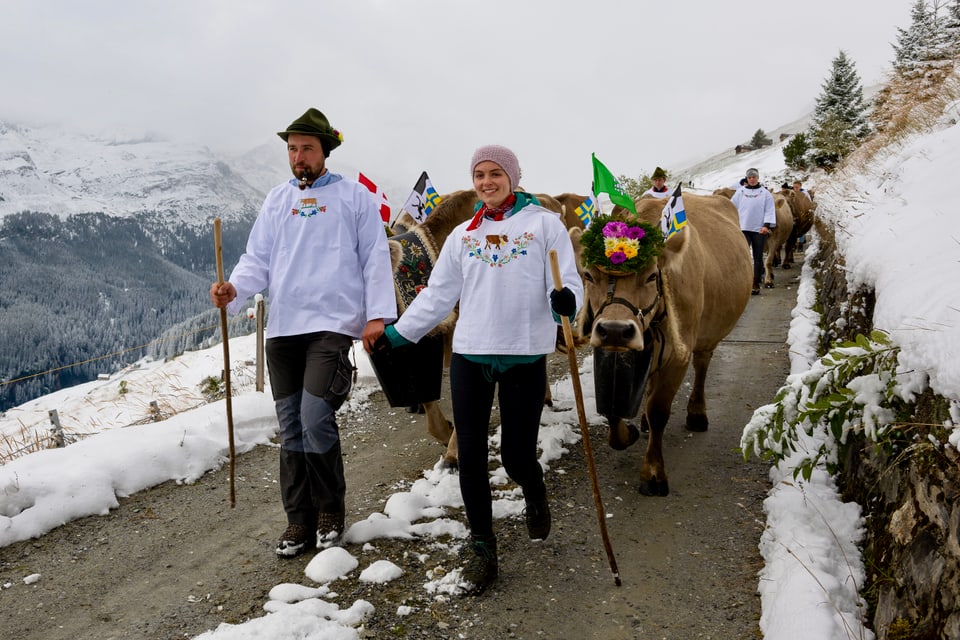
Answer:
(319, 247)
(659, 188)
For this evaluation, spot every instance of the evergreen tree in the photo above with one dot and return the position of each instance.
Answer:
(760, 139)
(911, 42)
(951, 28)
(795, 151)
(840, 114)
(931, 38)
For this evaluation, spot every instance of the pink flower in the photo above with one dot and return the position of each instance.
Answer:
(618, 257)
(614, 229)
(636, 233)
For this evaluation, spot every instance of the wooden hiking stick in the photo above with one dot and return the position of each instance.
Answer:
(584, 427)
(226, 359)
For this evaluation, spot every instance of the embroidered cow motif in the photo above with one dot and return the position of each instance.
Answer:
(495, 241)
(307, 208)
(497, 250)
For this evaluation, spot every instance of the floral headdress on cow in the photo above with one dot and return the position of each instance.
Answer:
(620, 246)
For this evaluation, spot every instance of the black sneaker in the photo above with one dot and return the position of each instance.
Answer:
(329, 529)
(297, 539)
(481, 568)
(537, 515)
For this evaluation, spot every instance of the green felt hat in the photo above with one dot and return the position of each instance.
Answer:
(658, 173)
(314, 123)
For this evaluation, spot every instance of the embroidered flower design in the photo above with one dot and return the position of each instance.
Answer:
(495, 251)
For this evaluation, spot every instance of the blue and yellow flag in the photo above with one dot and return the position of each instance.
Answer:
(422, 200)
(586, 211)
(674, 217)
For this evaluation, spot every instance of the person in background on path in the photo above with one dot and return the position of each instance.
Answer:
(319, 246)
(758, 215)
(798, 187)
(659, 188)
(497, 266)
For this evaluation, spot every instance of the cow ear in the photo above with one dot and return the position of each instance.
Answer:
(575, 235)
(584, 324)
(674, 248)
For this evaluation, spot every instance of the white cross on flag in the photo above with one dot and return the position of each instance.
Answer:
(379, 197)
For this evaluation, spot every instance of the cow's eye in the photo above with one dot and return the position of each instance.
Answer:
(587, 276)
(652, 277)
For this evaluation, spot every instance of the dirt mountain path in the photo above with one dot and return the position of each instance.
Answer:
(174, 561)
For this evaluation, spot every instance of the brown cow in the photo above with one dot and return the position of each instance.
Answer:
(569, 202)
(778, 236)
(683, 304)
(802, 208)
(428, 238)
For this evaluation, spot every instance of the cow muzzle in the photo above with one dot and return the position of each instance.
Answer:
(617, 335)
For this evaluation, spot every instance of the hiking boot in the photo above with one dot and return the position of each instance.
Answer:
(537, 516)
(481, 568)
(329, 529)
(297, 539)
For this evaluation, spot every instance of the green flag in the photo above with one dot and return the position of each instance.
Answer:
(604, 182)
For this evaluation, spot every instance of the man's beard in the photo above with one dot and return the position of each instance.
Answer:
(306, 176)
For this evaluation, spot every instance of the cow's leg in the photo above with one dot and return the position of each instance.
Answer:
(768, 265)
(442, 429)
(622, 433)
(789, 247)
(661, 388)
(697, 404)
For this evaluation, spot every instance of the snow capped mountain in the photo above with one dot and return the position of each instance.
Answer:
(58, 171)
(50, 169)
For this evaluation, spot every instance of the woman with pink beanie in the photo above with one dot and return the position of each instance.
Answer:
(497, 267)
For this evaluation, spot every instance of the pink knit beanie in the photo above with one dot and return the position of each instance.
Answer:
(503, 157)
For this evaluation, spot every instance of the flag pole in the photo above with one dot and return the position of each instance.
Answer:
(226, 359)
(584, 427)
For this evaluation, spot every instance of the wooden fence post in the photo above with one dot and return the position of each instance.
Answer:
(261, 314)
(56, 430)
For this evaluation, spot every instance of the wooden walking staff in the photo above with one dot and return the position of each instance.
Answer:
(226, 359)
(584, 427)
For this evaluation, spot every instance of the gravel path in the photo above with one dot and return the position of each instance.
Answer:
(176, 560)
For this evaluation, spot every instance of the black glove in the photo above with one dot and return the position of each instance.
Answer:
(563, 302)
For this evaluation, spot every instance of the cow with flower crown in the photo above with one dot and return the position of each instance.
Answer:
(651, 306)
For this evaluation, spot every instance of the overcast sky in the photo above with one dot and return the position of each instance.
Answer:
(418, 84)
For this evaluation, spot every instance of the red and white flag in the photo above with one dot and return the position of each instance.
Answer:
(379, 197)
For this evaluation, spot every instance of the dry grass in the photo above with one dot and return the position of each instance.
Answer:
(169, 396)
(907, 105)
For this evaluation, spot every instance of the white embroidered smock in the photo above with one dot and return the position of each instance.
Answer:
(657, 194)
(500, 273)
(755, 206)
(323, 255)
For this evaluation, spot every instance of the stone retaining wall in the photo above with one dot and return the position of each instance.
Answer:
(910, 493)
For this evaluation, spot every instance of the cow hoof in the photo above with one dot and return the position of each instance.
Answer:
(449, 463)
(698, 423)
(633, 434)
(769, 285)
(786, 266)
(654, 488)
